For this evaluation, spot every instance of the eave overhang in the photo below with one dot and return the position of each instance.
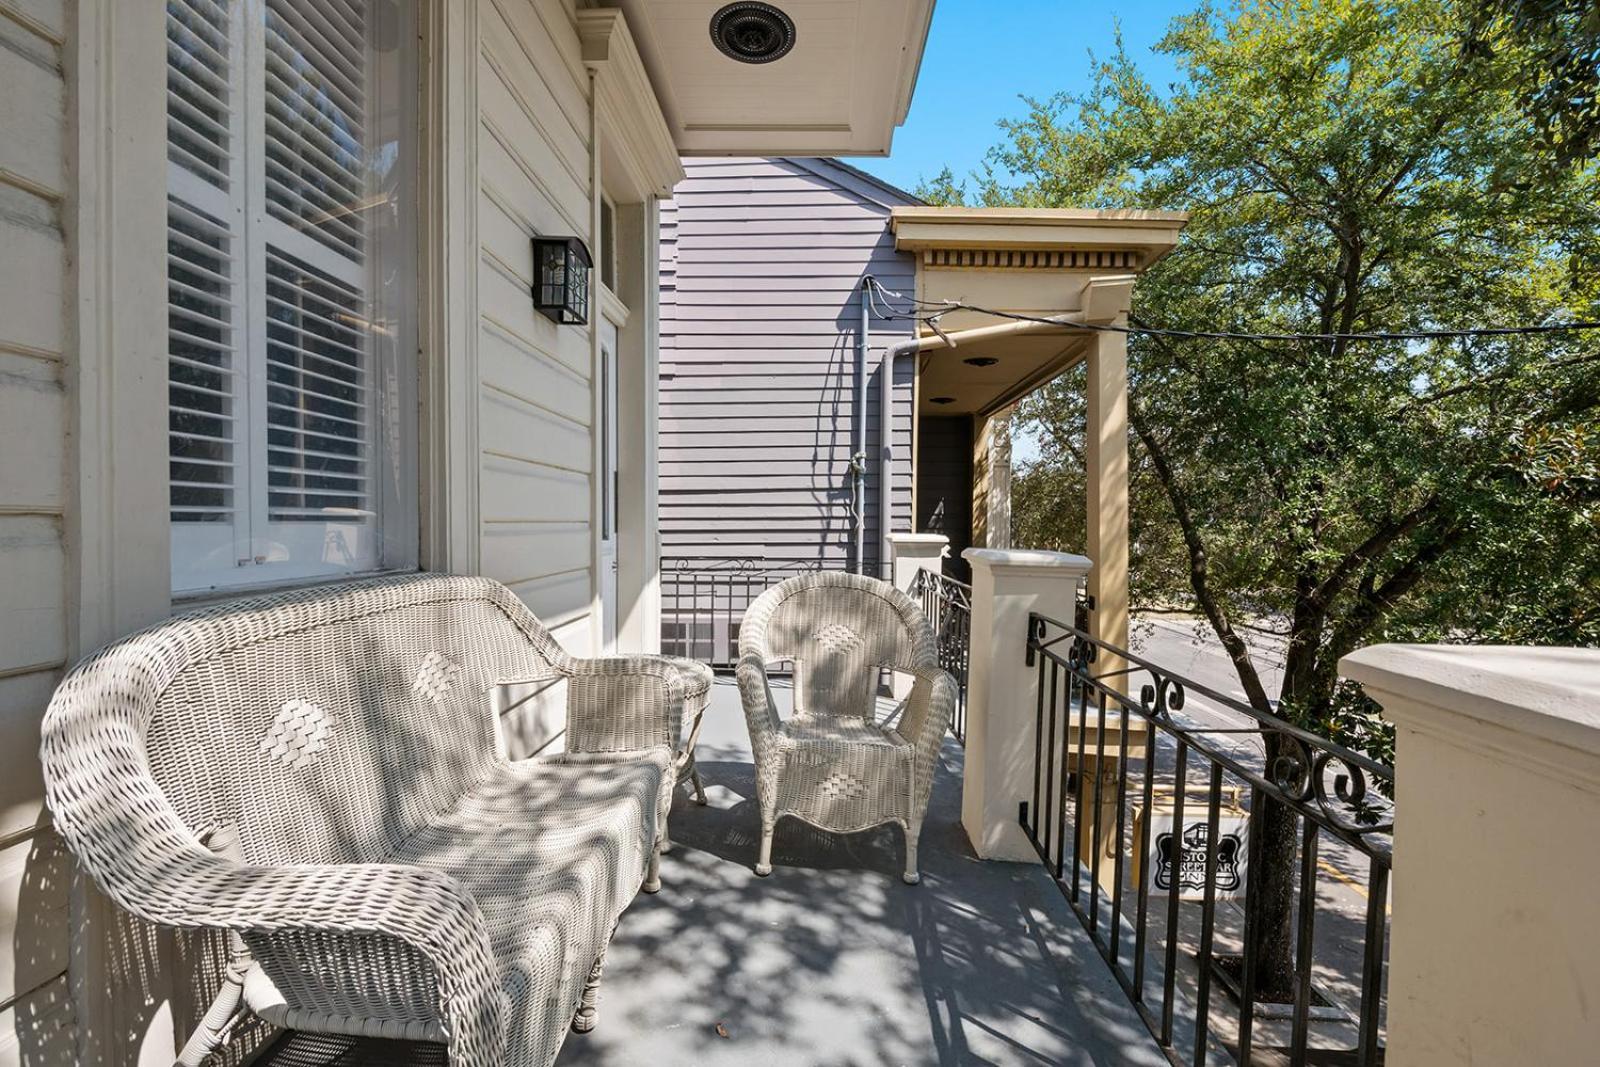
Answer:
(1046, 238)
(642, 145)
(842, 90)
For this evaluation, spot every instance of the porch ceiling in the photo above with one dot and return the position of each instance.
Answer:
(1022, 364)
(842, 90)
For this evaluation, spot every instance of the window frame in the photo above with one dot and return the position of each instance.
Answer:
(394, 435)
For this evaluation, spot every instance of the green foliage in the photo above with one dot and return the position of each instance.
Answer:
(943, 190)
(1347, 167)
(1556, 72)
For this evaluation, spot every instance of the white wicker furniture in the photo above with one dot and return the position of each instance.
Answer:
(320, 774)
(831, 763)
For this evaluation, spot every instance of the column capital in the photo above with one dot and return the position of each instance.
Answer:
(1028, 561)
(917, 540)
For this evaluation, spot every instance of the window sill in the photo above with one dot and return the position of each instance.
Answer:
(207, 597)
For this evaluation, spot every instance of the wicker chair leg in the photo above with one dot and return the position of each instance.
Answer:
(699, 786)
(764, 863)
(588, 1007)
(913, 831)
(220, 1018)
(652, 876)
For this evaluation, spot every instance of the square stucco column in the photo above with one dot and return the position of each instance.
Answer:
(910, 553)
(1007, 584)
(913, 552)
(1495, 955)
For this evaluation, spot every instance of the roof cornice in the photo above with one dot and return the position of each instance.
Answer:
(958, 233)
(630, 113)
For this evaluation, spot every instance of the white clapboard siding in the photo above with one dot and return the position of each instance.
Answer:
(761, 267)
(36, 1024)
(535, 400)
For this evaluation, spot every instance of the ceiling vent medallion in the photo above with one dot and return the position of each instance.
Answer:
(752, 32)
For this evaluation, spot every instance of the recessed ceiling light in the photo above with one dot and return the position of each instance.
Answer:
(980, 361)
(752, 32)
(942, 400)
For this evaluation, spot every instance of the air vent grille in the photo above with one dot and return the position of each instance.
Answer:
(752, 33)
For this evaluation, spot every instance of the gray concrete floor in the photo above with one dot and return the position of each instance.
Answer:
(833, 960)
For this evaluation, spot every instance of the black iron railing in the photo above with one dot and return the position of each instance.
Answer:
(703, 600)
(1138, 810)
(948, 605)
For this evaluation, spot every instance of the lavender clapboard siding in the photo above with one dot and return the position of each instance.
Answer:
(761, 268)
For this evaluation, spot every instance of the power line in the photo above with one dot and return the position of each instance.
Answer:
(946, 306)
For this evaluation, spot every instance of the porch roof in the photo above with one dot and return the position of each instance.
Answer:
(1073, 264)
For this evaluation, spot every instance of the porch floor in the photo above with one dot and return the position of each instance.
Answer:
(832, 959)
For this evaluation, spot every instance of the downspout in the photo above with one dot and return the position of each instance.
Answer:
(886, 432)
(858, 445)
(886, 397)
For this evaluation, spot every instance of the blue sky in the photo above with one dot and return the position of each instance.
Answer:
(983, 55)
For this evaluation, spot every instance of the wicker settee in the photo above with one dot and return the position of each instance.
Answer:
(319, 774)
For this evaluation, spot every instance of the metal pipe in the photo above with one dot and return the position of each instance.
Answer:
(858, 450)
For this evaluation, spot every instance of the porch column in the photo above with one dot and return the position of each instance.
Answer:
(1106, 462)
(910, 553)
(1495, 956)
(1007, 584)
(913, 552)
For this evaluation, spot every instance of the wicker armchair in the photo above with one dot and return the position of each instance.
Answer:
(830, 763)
(319, 776)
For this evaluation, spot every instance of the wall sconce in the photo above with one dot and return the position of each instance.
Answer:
(561, 279)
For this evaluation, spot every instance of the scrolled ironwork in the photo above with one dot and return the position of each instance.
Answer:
(1088, 828)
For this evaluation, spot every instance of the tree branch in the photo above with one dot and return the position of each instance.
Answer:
(1375, 545)
(1199, 570)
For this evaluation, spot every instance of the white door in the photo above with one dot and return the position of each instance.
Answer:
(608, 485)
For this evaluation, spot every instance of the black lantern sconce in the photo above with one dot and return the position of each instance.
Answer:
(561, 279)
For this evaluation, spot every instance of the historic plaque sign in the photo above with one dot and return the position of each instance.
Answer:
(1188, 874)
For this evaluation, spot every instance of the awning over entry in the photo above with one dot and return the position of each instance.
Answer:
(1037, 262)
(1077, 267)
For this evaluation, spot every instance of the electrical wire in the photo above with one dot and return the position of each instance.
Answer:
(946, 306)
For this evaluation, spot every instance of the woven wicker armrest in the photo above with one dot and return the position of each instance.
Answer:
(623, 703)
(928, 709)
(755, 692)
(368, 908)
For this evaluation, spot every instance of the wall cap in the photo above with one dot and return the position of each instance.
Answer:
(917, 539)
(1548, 693)
(1033, 560)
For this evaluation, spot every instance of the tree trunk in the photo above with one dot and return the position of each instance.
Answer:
(1272, 893)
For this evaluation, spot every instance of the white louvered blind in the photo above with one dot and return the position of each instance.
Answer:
(318, 395)
(315, 119)
(286, 135)
(200, 90)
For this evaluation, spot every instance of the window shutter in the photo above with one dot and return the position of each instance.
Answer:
(200, 97)
(289, 292)
(202, 372)
(315, 117)
(318, 402)
(319, 388)
(205, 264)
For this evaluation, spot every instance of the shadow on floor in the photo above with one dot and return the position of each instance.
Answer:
(832, 961)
